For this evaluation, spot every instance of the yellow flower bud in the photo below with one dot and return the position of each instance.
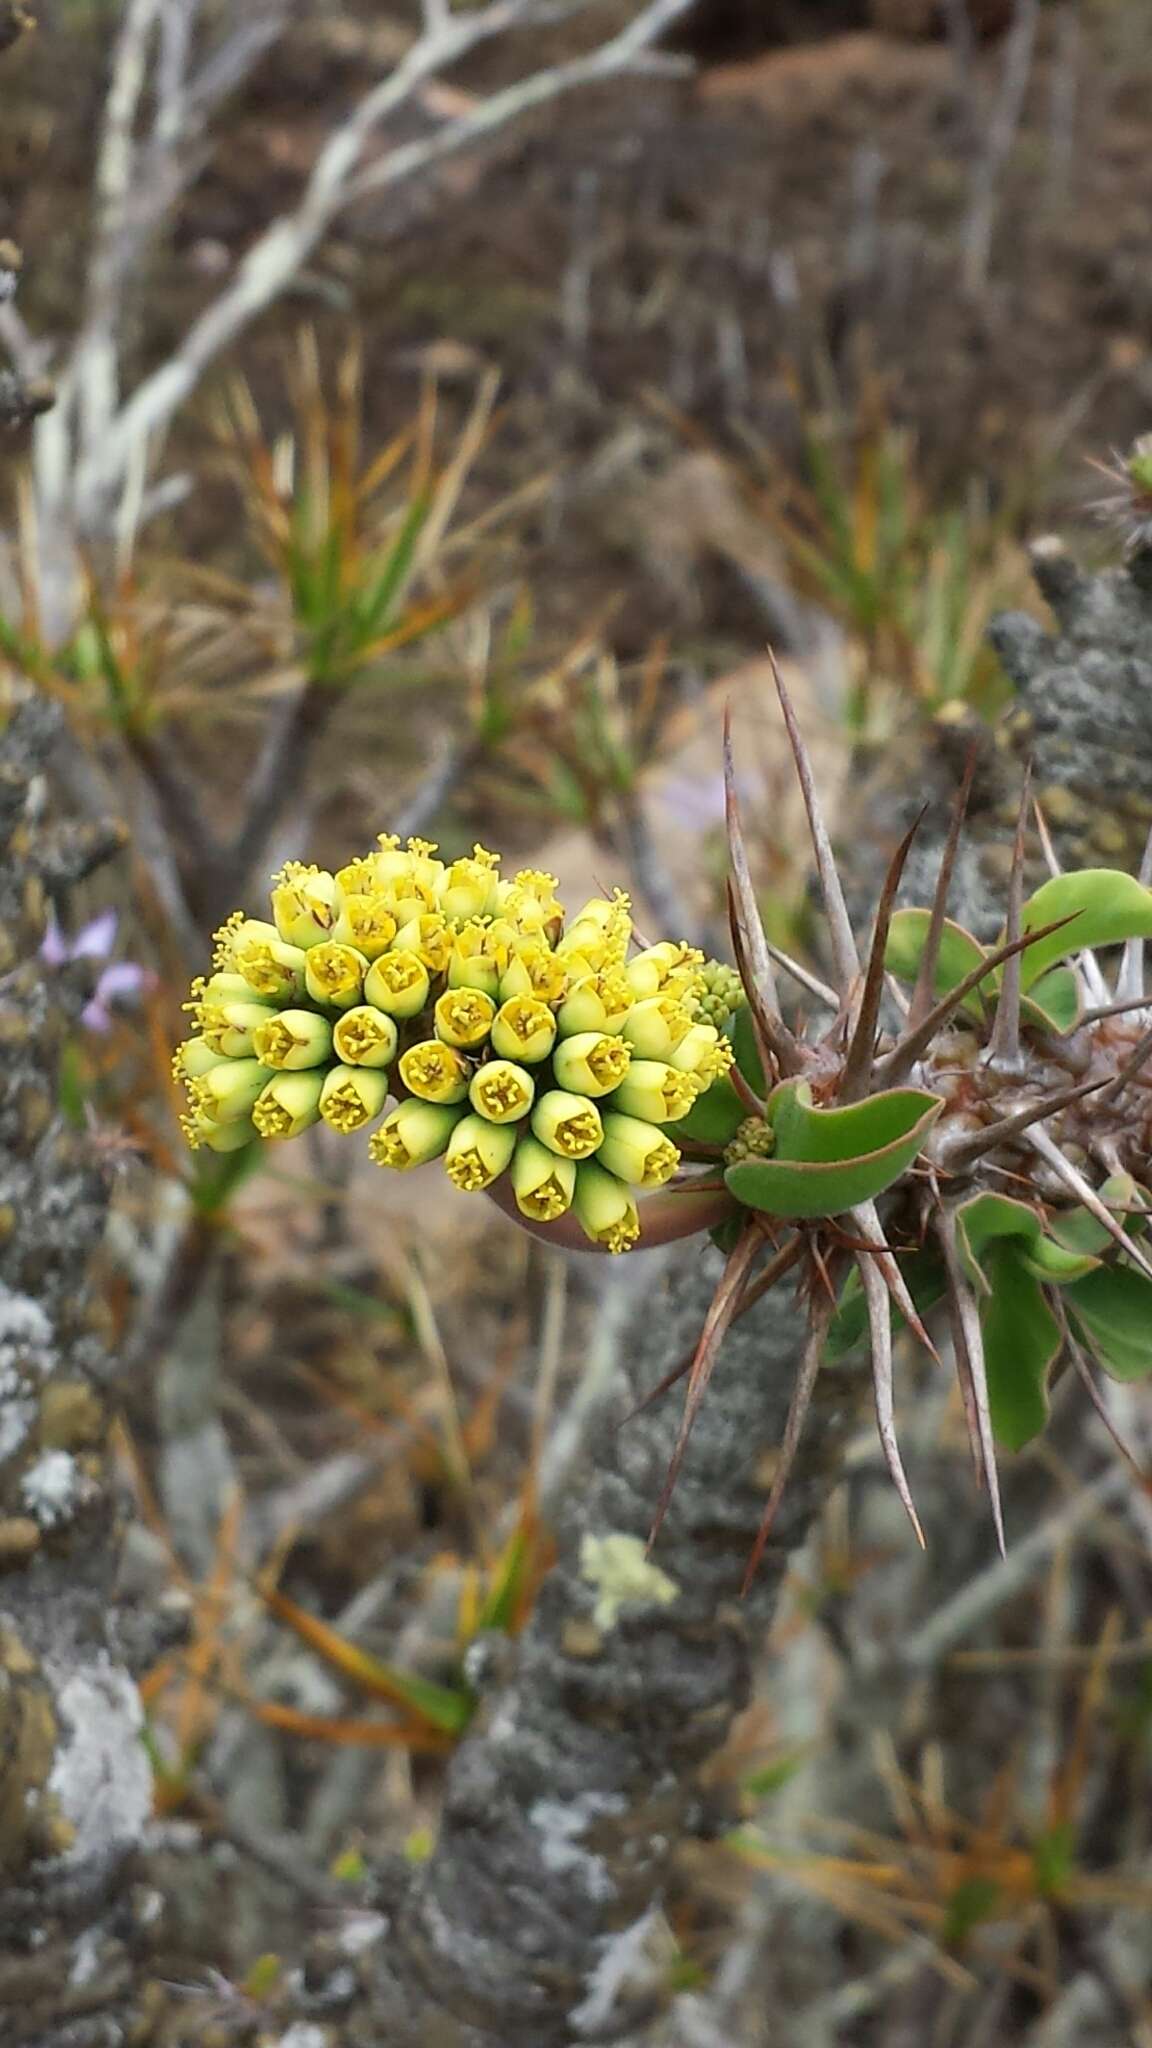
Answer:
(648, 972)
(463, 1017)
(523, 1029)
(654, 1027)
(361, 877)
(636, 1152)
(219, 988)
(271, 967)
(293, 1039)
(591, 1063)
(305, 904)
(568, 1125)
(501, 1091)
(193, 1058)
(703, 1053)
(531, 905)
(413, 1134)
(471, 963)
(365, 1037)
(604, 925)
(201, 1130)
(478, 1152)
(352, 1096)
(534, 970)
(605, 1208)
(470, 886)
(228, 1089)
(655, 1092)
(398, 984)
(229, 1027)
(288, 1105)
(365, 922)
(429, 937)
(598, 1002)
(427, 873)
(542, 1183)
(435, 1072)
(334, 974)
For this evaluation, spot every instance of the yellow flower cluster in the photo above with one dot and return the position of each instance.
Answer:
(514, 1041)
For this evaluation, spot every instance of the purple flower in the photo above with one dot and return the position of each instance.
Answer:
(120, 982)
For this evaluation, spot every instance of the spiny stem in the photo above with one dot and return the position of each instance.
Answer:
(844, 952)
(895, 1064)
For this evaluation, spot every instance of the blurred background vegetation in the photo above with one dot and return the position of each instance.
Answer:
(473, 532)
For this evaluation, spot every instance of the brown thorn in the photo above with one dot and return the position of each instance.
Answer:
(759, 958)
(1042, 1142)
(720, 1313)
(790, 1441)
(880, 1333)
(968, 1150)
(970, 1341)
(857, 1070)
(1005, 1042)
(925, 986)
(1083, 1372)
(839, 924)
(774, 1041)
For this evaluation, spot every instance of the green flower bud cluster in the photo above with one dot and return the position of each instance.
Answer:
(754, 1139)
(515, 1042)
(721, 995)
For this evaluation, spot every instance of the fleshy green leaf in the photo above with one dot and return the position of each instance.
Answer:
(1054, 1002)
(1056, 1263)
(1113, 1308)
(983, 1221)
(828, 1160)
(1021, 1339)
(907, 936)
(1108, 907)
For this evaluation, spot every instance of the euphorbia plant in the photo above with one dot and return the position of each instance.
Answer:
(967, 1130)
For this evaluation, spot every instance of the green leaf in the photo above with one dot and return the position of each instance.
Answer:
(1112, 1307)
(1056, 1263)
(714, 1117)
(1079, 1231)
(830, 1159)
(984, 1220)
(925, 1280)
(907, 936)
(1021, 1339)
(1055, 1000)
(1108, 907)
(742, 1034)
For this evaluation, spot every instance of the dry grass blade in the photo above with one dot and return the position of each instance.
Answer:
(895, 1064)
(1005, 1041)
(970, 1345)
(925, 985)
(721, 1310)
(880, 1332)
(1046, 1146)
(844, 952)
(790, 1441)
(857, 1070)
